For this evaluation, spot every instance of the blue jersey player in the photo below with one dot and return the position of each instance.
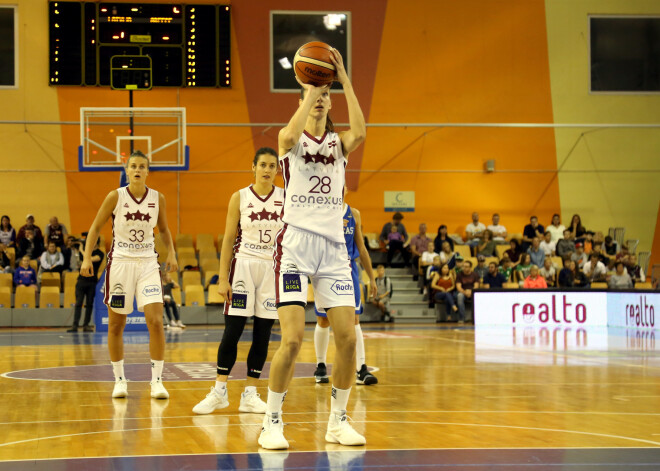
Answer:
(356, 249)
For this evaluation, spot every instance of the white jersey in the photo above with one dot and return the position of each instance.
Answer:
(133, 225)
(259, 223)
(313, 172)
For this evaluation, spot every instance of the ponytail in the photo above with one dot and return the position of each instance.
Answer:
(329, 125)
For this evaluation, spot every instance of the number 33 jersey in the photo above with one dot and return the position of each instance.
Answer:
(259, 223)
(133, 223)
(313, 172)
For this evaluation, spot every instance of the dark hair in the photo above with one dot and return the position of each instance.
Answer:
(616, 265)
(468, 262)
(594, 255)
(517, 244)
(533, 217)
(579, 227)
(329, 125)
(556, 215)
(397, 216)
(608, 239)
(546, 233)
(138, 153)
(441, 227)
(264, 151)
(8, 221)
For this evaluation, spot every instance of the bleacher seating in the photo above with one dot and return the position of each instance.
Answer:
(69, 298)
(183, 240)
(25, 297)
(205, 243)
(194, 295)
(5, 297)
(49, 297)
(214, 297)
(190, 278)
(6, 280)
(51, 279)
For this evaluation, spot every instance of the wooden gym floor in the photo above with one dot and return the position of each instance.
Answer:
(449, 397)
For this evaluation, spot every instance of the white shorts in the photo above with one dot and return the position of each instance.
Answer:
(253, 289)
(127, 279)
(299, 254)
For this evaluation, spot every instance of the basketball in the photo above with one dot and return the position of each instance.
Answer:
(312, 64)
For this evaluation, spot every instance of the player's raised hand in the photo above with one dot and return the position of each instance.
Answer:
(314, 90)
(224, 289)
(338, 61)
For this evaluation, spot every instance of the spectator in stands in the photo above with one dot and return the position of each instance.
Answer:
(588, 241)
(447, 255)
(565, 277)
(549, 272)
(534, 280)
(86, 292)
(624, 253)
(634, 270)
(442, 286)
(474, 232)
(399, 242)
(466, 282)
(620, 279)
(566, 246)
(523, 268)
(56, 232)
(514, 252)
(24, 275)
(36, 231)
(594, 270)
(433, 268)
(531, 230)
(548, 245)
(481, 269)
(7, 232)
(493, 278)
(487, 245)
(52, 261)
(171, 309)
(418, 244)
(30, 246)
(536, 253)
(506, 268)
(426, 260)
(577, 229)
(395, 243)
(599, 238)
(498, 230)
(598, 249)
(441, 238)
(556, 229)
(579, 278)
(384, 293)
(610, 247)
(72, 253)
(5, 263)
(579, 257)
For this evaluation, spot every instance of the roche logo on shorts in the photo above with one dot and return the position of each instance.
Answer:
(342, 287)
(239, 301)
(269, 305)
(151, 290)
(117, 301)
(291, 282)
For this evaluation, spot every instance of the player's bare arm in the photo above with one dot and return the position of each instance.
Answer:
(165, 235)
(365, 259)
(102, 216)
(231, 227)
(290, 134)
(352, 138)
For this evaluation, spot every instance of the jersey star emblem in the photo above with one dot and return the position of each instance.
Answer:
(128, 216)
(146, 217)
(309, 158)
(138, 216)
(263, 215)
(253, 216)
(274, 216)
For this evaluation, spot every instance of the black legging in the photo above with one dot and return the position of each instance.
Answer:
(397, 246)
(171, 310)
(85, 289)
(227, 350)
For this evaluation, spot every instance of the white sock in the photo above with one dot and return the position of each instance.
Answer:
(360, 358)
(321, 339)
(274, 402)
(339, 399)
(221, 387)
(250, 390)
(118, 369)
(157, 369)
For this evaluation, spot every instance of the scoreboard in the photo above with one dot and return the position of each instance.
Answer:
(187, 45)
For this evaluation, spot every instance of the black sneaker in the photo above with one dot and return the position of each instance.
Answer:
(73, 329)
(88, 328)
(321, 373)
(364, 377)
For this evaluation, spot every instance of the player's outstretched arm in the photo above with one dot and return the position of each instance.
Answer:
(102, 216)
(352, 138)
(166, 235)
(290, 134)
(226, 252)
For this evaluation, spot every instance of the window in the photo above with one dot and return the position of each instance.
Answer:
(625, 54)
(291, 29)
(8, 47)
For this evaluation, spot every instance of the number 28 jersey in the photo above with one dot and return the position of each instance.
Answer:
(314, 172)
(133, 223)
(259, 223)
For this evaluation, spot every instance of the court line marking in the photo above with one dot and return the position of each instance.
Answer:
(539, 429)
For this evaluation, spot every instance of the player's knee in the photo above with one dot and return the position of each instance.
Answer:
(323, 321)
(116, 327)
(292, 346)
(345, 341)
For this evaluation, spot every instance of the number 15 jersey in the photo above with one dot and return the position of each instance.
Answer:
(313, 172)
(259, 223)
(133, 223)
